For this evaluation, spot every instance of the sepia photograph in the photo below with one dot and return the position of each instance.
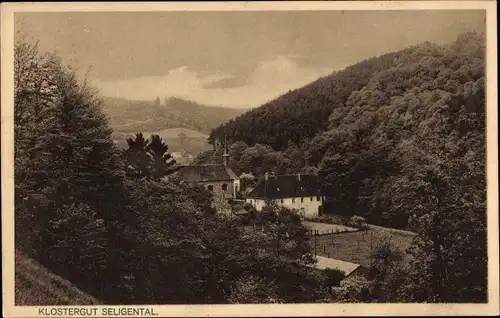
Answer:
(225, 155)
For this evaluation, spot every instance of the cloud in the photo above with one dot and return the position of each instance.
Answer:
(267, 81)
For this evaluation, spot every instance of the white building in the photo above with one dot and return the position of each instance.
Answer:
(300, 192)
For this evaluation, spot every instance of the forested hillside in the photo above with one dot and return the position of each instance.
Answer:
(367, 119)
(136, 116)
(400, 140)
(301, 113)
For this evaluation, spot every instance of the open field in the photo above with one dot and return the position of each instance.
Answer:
(356, 247)
(37, 286)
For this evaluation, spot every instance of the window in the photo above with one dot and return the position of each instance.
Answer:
(301, 200)
(318, 198)
(311, 199)
(210, 188)
(224, 187)
(281, 201)
(293, 200)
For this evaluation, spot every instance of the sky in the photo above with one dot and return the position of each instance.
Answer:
(234, 59)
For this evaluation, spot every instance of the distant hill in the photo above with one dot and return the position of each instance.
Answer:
(199, 117)
(139, 116)
(37, 286)
(193, 143)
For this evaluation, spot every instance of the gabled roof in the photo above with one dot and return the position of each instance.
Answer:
(288, 186)
(331, 263)
(206, 173)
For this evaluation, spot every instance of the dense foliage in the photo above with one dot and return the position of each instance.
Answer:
(258, 159)
(107, 221)
(400, 140)
(404, 146)
(301, 113)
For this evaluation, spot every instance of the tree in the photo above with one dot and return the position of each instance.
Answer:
(148, 158)
(76, 240)
(283, 234)
(451, 233)
(253, 290)
(69, 175)
(36, 97)
(163, 162)
(138, 161)
(351, 291)
(182, 137)
(247, 182)
(386, 273)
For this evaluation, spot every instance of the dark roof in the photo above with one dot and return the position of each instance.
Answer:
(288, 186)
(206, 173)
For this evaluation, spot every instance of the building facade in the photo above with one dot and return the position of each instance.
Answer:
(219, 179)
(299, 192)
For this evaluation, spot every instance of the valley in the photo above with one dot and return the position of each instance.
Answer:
(363, 182)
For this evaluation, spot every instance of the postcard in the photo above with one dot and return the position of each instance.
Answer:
(192, 159)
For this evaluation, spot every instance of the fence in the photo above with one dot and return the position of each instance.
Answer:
(364, 241)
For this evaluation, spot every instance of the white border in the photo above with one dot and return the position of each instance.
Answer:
(492, 308)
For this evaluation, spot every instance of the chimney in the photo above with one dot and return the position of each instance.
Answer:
(298, 176)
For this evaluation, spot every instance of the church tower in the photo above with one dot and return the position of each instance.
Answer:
(225, 156)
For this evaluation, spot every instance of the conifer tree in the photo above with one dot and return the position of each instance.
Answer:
(137, 160)
(163, 162)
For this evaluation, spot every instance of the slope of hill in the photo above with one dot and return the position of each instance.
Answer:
(139, 116)
(301, 114)
(422, 119)
(199, 117)
(37, 286)
(371, 128)
(399, 140)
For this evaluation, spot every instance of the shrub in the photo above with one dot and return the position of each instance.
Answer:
(333, 277)
(358, 222)
(331, 219)
(248, 207)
